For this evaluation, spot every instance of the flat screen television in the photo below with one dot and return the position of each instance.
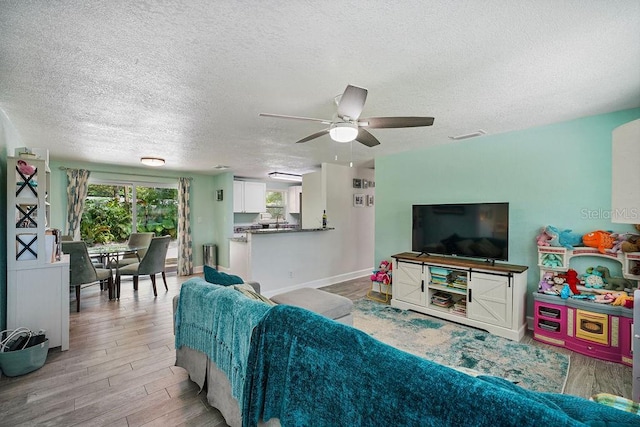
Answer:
(475, 230)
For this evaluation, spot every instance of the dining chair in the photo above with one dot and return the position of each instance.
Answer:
(152, 263)
(136, 240)
(82, 271)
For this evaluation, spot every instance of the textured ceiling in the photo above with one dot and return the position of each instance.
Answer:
(111, 81)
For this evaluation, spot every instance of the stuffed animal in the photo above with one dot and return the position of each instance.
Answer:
(546, 283)
(624, 301)
(566, 292)
(609, 297)
(633, 242)
(552, 260)
(383, 273)
(564, 238)
(620, 238)
(593, 279)
(571, 279)
(543, 238)
(599, 239)
(613, 283)
(25, 168)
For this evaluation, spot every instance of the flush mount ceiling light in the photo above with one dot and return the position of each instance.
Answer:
(343, 132)
(285, 176)
(152, 161)
(479, 132)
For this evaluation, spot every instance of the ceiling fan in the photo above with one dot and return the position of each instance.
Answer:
(347, 125)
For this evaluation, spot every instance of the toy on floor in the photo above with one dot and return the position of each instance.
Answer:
(383, 273)
(383, 276)
(601, 240)
(613, 283)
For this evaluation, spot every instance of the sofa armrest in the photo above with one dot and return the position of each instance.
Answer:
(255, 285)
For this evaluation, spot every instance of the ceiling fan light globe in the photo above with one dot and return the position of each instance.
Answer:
(343, 132)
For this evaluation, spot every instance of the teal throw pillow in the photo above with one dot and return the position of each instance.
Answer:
(216, 277)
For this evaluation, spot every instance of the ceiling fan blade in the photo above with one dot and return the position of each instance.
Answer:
(395, 122)
(314, 136)
(308, 119)
(352, 102)
(365, 137)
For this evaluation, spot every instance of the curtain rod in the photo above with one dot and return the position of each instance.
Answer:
(63, 168)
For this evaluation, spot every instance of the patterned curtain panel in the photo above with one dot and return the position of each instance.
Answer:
(185, 250)
(77, 189)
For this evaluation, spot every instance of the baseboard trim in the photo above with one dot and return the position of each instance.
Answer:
(326, 281)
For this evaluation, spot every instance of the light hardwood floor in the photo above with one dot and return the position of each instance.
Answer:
(119, 368)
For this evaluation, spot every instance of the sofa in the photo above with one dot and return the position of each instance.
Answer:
(263, 364)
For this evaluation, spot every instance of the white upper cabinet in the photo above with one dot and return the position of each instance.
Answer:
(249, 197)
(625, 192)
(294, 199)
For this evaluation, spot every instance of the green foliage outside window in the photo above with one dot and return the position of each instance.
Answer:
(275, 204)
(107, 216)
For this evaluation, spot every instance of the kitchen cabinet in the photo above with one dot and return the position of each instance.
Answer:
(249, 197)
(293, 199)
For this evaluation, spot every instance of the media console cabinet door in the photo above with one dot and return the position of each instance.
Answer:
(491, 299)
(407, 283)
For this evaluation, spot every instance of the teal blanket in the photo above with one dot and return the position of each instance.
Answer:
(308, 370)
(218, 321)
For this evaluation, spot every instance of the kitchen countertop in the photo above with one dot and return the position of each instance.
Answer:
(277, 231)
(286, 230)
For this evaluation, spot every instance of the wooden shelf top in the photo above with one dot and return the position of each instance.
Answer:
(460, 262)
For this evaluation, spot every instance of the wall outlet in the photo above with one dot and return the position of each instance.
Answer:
(291, 275)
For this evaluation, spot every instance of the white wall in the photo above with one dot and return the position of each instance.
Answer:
(285, 261)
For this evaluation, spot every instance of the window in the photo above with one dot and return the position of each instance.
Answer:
(276, 204)
(109, 216)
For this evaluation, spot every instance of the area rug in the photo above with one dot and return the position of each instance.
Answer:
(462, 347)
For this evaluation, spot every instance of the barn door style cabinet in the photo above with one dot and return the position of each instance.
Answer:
(37, 282)
(475, 293)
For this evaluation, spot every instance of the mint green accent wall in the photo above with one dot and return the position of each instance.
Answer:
(221, 216)
(553, 175)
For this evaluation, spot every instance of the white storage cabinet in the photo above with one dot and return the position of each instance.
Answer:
(37, 284)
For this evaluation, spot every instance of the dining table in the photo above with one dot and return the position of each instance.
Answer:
(111, 254)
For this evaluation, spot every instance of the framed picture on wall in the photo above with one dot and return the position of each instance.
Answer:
(369, 199)
(358, 200)
(365, 183)
(357, 183)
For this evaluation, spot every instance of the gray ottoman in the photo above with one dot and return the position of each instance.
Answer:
(330, 305)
